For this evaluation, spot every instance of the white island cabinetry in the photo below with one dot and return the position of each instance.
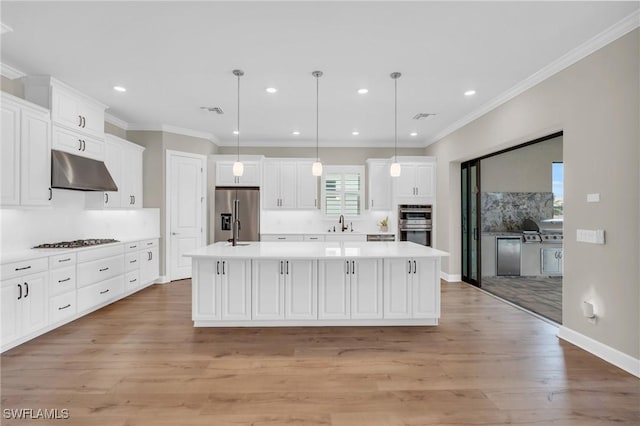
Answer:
(316, 284)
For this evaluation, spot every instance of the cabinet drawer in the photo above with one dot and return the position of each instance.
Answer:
(62, 280)
(132, 280)
(148, 243)
(346, 237)
(134, 246)
(62, 260)
(281, 237)
(100, 253)
(16, 269)
(77, 144)
(314, 237)
(99, 293)
(131, 261)
(99, 270)
(62, 306)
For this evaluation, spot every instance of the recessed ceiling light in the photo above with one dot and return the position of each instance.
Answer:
(470, 93)
(271, 90)
(413, 134)
(295, 132)
(119, 89)
(355, 133)
(363, 91)
(235, 132)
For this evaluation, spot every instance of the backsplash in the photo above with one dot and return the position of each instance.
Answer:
(505, 211)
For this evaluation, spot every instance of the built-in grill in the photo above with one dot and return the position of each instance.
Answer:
(78, 243)
(544, 231)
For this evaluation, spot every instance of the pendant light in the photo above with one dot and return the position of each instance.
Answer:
(316, 169)
(395, 166)
(238, 167)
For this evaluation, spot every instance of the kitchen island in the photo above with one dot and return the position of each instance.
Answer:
(269, 284)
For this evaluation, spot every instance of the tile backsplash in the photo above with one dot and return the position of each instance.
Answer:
(505, 211)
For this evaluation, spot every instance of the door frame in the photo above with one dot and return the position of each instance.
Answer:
(169, 154)
(471, 192)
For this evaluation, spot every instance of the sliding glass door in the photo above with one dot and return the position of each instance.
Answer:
(470, 179)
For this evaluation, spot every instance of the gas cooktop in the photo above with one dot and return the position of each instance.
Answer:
(78, 243)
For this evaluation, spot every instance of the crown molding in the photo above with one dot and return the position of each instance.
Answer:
(10, 72)
(116, 121)
(173, 129)
(292, 143)
(614, 32)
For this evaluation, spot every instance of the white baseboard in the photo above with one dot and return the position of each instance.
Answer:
(452, 278)
(163, 279)
(607, 353)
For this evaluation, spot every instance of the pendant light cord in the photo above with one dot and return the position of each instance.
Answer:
(238, 127)
(395, 113)
(317, 115)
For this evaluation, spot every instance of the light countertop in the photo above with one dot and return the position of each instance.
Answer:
(312, 250)
(330, 233)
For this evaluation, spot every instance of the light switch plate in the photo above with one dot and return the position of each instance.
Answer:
(590, 236)
(593, 198)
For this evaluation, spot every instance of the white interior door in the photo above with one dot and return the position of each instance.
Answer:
(186, 185)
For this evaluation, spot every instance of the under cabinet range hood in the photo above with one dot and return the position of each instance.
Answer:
(69, 171)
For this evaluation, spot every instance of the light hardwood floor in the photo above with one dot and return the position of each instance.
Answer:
(140, 362)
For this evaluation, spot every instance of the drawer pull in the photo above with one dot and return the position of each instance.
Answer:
(104, 269)
(64, 260)
(149, 244)
(22, 269)
(133, 261)
(64, 307)
(65, 280)
(132, 247)
(105, 291)
(282, 238)
(133, 280)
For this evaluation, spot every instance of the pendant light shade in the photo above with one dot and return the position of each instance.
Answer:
(238, 167)
(316, 169)
(395, 168)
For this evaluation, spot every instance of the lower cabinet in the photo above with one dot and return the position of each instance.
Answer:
(148, 260)
(411, 288)
(24, 305)
(102, 292)
(235, 281)
(284, 289)
(350, 289)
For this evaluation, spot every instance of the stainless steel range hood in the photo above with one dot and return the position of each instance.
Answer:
(70, 171)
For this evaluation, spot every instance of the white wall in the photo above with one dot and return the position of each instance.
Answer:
(596, 102)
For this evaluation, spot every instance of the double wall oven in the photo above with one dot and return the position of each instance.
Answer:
(414, 223)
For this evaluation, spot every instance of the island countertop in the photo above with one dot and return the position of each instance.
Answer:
(316, 250)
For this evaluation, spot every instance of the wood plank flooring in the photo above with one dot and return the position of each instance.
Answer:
(140, 362)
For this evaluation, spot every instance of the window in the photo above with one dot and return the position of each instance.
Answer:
(557, 187)
(342, 190)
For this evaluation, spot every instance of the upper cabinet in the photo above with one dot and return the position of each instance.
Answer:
(307, 186)
(26, 153)
(289, 184)
(124, 162)
(379, 184)
(78, 120)
(416, 183)
(250, 176)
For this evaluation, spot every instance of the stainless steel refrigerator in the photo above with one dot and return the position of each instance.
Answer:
(248, 213)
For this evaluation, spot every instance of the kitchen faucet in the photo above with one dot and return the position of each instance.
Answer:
(341, 221)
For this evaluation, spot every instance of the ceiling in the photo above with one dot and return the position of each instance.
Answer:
(174, 57)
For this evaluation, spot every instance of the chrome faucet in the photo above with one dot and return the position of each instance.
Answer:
(341, 221)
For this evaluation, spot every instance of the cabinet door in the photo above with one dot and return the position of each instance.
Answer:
(236, 289)
(307, 186)
(425, 288)
(113, 159)
(132, 182)
(93, 118)
(34, 303)
(405, 184)
(301, 289)
(10, 154)
(224, 174)
(10, 293)
(366, 289)
(397, 288)
(76, 113)
(251, 174)
(288, 184)
(379, 186)
(333, 290)
(78, 144)
(149, 265)
(271, 185)
(267, 289)
(551, 261)
(35, 159)
(424, 180)
(206, 290)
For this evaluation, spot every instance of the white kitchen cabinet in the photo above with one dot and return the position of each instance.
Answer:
(307, 186)
(100, 293)
(76, 143)
(551, 259)
(267, 289)
(235, 284)
(206, 292)
(379, 184)
(301, 289)
(313, 237)
(411, 288)
(69, 107)
(345, 236)
(281, 237)
(113, 159)
(350, 289)
(149, 264)
(24, 305)
(416, 182)
(279, 185)
(250, 175)
(25, 153)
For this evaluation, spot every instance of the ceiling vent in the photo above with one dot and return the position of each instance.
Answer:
(422, 115)
(217, 110)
